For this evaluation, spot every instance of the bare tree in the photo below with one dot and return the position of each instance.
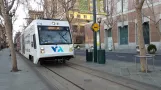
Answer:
(138, 8)
(112, 17)
(68, 8)
(7, 11)
(3, 32)
(153, 18)
(68, 5)
(50, 8)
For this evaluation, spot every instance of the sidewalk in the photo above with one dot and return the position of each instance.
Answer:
(131, 51)
(26, 79)
(124, 69)
(128, 51)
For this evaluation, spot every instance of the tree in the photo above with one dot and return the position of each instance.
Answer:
(2, 28)
(7, 11)
(50, 8)
(67, 7)
(138, 8)
(153, 18)
(111, 20)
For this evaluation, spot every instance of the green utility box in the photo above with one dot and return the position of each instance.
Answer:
(89, 55)
(101, 57)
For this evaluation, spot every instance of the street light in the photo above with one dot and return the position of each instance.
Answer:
(99, 21)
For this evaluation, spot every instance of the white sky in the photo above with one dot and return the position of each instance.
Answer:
(22, 13)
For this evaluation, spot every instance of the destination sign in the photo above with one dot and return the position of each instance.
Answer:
(54, 28)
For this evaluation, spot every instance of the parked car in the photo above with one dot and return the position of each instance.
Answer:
(77, 47)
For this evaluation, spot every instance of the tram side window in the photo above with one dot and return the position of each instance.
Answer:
(34, 41)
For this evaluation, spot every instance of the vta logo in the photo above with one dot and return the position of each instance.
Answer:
(57, 49)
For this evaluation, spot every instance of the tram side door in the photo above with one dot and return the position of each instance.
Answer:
(33, 45)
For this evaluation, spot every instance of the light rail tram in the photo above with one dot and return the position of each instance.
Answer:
(45, 39)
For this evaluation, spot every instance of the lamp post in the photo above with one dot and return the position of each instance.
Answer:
(101, 52)
(99, 21)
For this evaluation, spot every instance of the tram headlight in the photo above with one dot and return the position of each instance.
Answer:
(42, 50)
(71, 49)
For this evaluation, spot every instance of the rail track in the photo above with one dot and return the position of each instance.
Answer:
(64, 78)
(81, 87)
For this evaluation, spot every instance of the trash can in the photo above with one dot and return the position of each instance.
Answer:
(89, 56)
(101, 56)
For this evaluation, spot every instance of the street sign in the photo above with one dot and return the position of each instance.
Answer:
(95, 27)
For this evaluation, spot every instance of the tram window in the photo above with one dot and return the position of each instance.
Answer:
(34, 41)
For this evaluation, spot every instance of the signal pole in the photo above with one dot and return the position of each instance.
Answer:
(94, 33)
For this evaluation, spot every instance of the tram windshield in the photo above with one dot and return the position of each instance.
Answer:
(49, 35)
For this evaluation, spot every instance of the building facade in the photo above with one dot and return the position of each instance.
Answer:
(81, 14)
(33, 14)
(123, 33)
(3, 37)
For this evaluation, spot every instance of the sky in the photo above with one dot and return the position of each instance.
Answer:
(22, 13)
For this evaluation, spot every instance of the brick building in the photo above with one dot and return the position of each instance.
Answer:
(124, 31)
(3, 38)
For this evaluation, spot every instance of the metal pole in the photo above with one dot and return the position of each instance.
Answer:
(99, 37)
(94, 33)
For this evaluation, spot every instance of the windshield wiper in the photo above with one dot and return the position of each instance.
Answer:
(63, 37)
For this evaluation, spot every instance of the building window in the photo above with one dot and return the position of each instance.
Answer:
(91, 17)
(146, 32)
(78, 16)
(109, 33)
(85, 16)
(122, 6)
(123, 35)
(101, 7)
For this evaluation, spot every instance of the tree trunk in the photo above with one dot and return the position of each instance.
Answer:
(113, 40)
(8, 27)
(141, 39)
(71, 30)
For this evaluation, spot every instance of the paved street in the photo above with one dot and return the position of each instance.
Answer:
(124, 56)
(124, 69)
